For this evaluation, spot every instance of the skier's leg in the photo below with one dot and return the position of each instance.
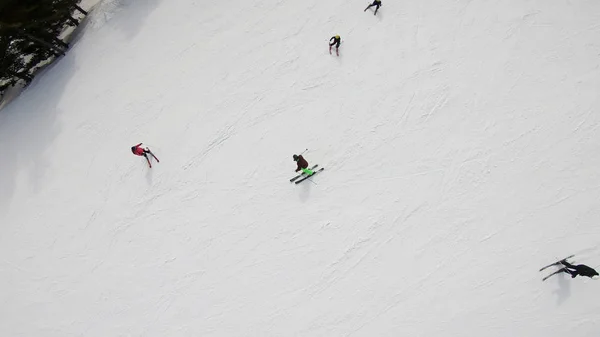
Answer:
(307, 171)
(568, 268)
(376, 9)
(369, 6)
(148, 152)
(573, 273)
(147, 159)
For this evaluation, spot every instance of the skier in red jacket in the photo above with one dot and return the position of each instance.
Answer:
(139, 151)
(302, 165)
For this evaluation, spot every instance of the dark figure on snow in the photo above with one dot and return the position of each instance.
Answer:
(580, 269)
(139, 151)
(376, 3)
(302, 165)
(335, 41)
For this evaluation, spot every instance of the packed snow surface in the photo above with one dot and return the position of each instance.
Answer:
(461, 150)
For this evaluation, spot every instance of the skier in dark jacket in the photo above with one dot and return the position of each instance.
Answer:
(302, 165)
(335, 40)
(375, 3)
(580, 269)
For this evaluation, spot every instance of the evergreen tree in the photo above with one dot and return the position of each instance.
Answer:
(29, 34)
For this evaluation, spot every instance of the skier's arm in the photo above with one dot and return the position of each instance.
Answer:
(138, 145)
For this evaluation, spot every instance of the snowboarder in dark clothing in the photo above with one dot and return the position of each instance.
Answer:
(376, 3)
(580, 269)
(139, 151)
(335, 40)
(302, 165)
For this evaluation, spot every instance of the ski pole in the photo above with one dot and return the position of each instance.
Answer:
(303, 152)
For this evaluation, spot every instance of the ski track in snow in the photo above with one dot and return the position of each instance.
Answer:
(459, 141)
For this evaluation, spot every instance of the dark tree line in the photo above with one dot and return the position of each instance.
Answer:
(30, 34)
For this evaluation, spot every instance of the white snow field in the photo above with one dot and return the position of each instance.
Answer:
(461, 147)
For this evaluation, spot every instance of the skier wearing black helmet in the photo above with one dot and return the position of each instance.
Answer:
(302, 165)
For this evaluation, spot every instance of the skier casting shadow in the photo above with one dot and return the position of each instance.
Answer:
(303, 165)
(139, 151)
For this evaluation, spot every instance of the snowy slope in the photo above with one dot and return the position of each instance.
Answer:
(461, 150)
